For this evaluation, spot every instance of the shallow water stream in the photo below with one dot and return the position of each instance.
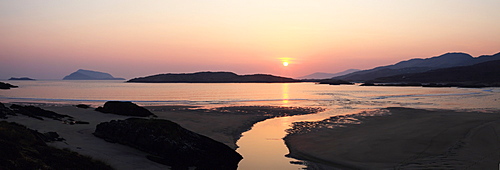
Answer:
(263, 147)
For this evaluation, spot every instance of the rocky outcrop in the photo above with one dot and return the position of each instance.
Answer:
(212, 77)
(169, 143)
(124, 108)
(82, 74)
(6, 85)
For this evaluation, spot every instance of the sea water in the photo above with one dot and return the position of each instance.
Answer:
(262, 147)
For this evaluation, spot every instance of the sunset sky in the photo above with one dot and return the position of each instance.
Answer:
(50, 39)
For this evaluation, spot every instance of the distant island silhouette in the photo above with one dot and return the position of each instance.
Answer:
(82, 74)
(21, 78)
(212, 77)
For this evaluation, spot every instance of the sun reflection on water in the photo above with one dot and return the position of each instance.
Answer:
(285, 94)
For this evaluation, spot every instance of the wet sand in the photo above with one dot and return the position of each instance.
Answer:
(402, 138)
(225, 127)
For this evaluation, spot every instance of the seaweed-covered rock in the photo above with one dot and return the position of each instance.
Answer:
(169, 143)
(37, 113)
(124, 108)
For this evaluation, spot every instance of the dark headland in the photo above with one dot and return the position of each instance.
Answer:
(418, 65)
(447, 70)
(484, 74)
(212, 77)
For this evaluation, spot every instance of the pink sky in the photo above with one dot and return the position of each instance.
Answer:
(51, 39)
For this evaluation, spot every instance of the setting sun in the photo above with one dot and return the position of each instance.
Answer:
(286, 61)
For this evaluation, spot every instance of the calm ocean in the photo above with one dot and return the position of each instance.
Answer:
(214, 94)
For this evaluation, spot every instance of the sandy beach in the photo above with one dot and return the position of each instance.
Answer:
(224, 125)
(401, 138)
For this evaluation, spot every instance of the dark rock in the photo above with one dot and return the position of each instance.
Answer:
(83, 106)
(21, 78)
(81, 122)
(169, 143)
(37, 113)
(124, 108)
(6, 85)
(334, 82)
(49, 136)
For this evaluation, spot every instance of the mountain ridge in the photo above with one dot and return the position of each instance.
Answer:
(484, 72)
(322, 75)
(418, 65)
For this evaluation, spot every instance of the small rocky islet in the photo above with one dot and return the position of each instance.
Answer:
(7, 86)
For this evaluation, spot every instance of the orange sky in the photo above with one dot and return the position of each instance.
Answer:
(50, 39)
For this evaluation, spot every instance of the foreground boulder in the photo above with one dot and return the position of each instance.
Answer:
(124, 108)
(169, 143)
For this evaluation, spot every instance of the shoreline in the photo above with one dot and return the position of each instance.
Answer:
(401, 138)
(224, 124)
